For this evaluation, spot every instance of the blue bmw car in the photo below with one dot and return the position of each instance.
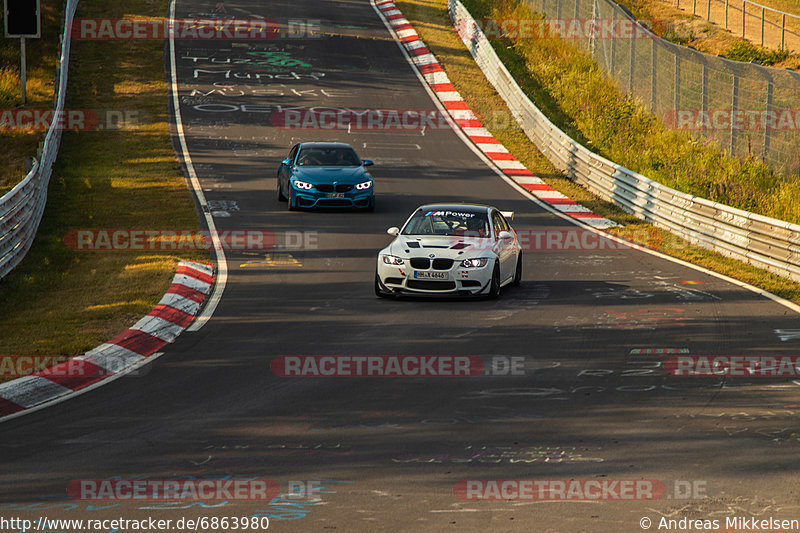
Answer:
(325, 174)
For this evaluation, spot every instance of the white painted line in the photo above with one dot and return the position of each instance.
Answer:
(219, 253)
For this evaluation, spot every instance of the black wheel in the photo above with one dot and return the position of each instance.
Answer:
(518, 273)
(290, 202)
(281, 197)
(378, 291)
(494, 288)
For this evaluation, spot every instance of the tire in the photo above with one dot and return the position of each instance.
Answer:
(281, 197)
(518, 272)
(290, 202)
(494, 286)
(378, 291)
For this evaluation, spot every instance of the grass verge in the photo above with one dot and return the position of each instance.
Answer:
(430, 19)
(64, 302)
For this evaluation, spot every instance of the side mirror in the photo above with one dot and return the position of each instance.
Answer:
(393, 231)
(367, 162)
(286, 162)
(505, 236)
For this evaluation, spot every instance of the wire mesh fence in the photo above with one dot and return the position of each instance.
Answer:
(745, 108)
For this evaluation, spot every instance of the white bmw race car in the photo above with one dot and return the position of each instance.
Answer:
(448, 250)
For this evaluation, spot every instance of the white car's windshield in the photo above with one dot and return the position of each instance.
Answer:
(328, 156)
(443, 222)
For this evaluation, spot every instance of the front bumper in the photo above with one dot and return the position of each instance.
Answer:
(404, 279)
(309, 199)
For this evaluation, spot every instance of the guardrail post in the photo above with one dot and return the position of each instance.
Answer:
(767, 129)
(734, 111)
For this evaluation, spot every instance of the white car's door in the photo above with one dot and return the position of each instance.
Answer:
(506, 251)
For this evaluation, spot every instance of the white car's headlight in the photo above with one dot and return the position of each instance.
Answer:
(392, 260)
(364, 186)
(476, 262)
(302, 185)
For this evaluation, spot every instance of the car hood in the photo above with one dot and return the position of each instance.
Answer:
(345, 175)
(453, 247)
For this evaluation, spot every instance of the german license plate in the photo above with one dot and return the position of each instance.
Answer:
(431, 275)
(335, 195)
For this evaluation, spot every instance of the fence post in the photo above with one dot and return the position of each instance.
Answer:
(744, 3)
(677, 93)
(783, 29)
(704, 97)
(734, 111)
(767, 129)
(694, 7)
(762, 26)
(575, 17)
(726, 14)
(632, 66)
(654, 77)
(613, 40)
(708, 10)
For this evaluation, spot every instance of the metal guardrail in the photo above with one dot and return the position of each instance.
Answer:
(21, 208)
(761, 241)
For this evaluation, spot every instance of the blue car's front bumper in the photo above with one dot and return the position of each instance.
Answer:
(308, 199)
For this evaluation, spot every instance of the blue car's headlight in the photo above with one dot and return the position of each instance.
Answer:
(364, 186)
(392, 260)
(476, 262)
(302, 185)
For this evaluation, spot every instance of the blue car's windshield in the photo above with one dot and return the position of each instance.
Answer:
(333, 156)
(428, 222)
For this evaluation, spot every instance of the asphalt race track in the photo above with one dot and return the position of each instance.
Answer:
(385, 454)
